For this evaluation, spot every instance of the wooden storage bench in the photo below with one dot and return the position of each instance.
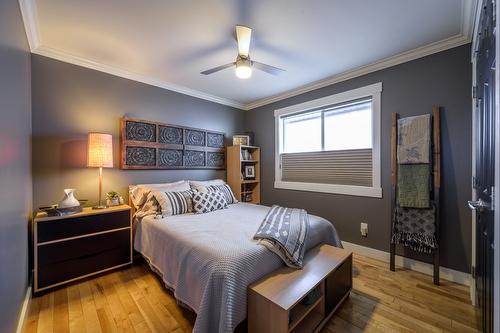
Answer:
(274, 303)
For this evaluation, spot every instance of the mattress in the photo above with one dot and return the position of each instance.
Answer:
(209, 260)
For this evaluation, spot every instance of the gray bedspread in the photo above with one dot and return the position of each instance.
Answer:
(210, 259)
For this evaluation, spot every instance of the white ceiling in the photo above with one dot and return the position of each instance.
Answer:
(168, 43)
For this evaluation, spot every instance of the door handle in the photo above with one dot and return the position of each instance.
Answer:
(479, 205)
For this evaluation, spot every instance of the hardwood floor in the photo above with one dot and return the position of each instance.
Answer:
(134, 300)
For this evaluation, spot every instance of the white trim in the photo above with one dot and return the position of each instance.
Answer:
(79, 61)
(468, 15)
(373, 91)
(31, 26)
(23, 314)
(376, 135)
(414, 265)
(332, 99)
(400, 58)
(29, 14)
(475, 39)
(30, 18)
(420, 52)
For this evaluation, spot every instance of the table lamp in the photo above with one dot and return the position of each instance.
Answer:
(100, 155)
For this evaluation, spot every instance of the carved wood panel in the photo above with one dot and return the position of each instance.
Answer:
(152, 145)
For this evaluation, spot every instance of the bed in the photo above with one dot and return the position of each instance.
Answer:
(209, 260)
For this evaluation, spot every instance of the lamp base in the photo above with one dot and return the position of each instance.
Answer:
(100, 204)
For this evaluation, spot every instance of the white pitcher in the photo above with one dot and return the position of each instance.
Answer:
(69, 199)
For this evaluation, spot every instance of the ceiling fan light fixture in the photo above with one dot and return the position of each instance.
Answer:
(243, 69)
(244, 66)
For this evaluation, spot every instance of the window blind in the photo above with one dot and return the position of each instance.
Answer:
(341, 167)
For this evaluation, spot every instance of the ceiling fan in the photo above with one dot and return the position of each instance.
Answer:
(243, 62)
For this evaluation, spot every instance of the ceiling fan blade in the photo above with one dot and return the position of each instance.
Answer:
(243, 37)
(268, 68)
(218, 68)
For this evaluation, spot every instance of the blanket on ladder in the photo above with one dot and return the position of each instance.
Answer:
(415, 228)
(414, 139)
(284, 232)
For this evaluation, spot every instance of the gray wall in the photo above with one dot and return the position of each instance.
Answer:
(410, 89)
(70, 101)
(15, 156)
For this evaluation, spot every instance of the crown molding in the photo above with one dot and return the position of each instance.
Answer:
(30, 18)
(469, 8)
(406, 56)
(79, 61)
(475, 35)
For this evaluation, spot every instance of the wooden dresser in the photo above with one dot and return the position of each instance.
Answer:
(68, 248)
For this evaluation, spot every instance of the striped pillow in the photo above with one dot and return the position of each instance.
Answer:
(175, 203)
(226, 190)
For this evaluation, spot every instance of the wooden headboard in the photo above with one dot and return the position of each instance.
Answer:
(153, 145)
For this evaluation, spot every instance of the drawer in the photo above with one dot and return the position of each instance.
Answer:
(77, 226)
(82, 247)
(62, 261)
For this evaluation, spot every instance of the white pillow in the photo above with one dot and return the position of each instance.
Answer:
(139, 193)
(201, 186)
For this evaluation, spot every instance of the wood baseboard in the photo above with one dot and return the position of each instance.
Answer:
(418, 266)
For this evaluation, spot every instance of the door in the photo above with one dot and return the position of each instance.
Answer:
(485, 163)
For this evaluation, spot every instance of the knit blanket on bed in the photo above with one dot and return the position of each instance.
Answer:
(284, 231)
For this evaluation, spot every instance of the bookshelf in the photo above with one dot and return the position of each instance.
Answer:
(246, 189)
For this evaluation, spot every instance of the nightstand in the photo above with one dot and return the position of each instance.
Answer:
(72, 247)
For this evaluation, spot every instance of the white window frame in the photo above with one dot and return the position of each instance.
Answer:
(374, 91)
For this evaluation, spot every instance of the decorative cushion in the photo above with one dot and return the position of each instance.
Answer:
(204, 202)
(175, 203)
(139, 193)
(226, 190)
(202, 185)
(150, 207)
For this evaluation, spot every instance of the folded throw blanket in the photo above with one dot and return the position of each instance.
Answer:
(284, 232)
(414, 185)
(415, 228)
(414, 138)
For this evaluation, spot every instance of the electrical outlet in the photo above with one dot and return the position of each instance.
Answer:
(364, 229)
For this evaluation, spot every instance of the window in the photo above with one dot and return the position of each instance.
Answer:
(331, 144)
(294, 126)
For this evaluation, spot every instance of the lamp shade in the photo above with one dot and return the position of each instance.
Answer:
(100, 150)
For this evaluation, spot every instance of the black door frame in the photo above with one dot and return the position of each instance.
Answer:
(496, 199)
